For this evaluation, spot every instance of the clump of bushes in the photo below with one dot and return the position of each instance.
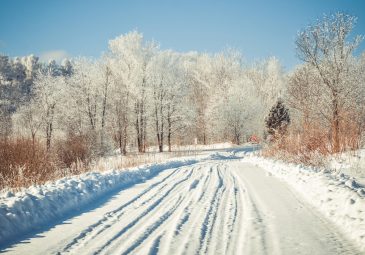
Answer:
(25, 162)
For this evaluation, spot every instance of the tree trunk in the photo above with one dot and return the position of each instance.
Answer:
(49, 136)
(125, 140)
(49, 127)
(120, 142)
(236, 135)
(141, 120)
(169, 131)
(141, 130)
(335, 127)
(139, 136)
(144, 133)
(103, 114)
(158, 131)
(90, 113)
(33, 144)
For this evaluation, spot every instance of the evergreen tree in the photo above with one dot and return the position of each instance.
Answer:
(278, 120)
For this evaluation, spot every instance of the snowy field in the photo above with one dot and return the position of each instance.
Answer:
(220, 202)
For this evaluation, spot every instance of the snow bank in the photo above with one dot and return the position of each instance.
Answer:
(350, 163)
(38, 206)
(338, 196)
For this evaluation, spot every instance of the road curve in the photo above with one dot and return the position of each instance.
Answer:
(220, 206)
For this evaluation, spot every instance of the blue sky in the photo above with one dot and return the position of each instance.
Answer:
(83, 27)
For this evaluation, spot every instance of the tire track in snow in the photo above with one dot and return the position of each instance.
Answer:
(175, 232)
(155, 246)
(206, 183)
(141, 216)
(152, 228)
(221, 233)
(233, 217)
(190, 239)
(257, 233)
(180, 221)
(185, 215)
(218, 206)
(210, 217)
(165, 228)
(114, 215)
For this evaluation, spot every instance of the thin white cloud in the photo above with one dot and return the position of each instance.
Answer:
(57, 55)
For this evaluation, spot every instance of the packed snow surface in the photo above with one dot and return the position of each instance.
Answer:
(339, 197)
(208, 205)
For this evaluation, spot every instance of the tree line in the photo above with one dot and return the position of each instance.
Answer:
(137, 95)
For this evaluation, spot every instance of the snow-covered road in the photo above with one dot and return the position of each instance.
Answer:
(216, 206)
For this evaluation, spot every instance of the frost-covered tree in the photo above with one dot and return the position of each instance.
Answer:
(53, 69)
(303, 93)
(66, 67)
(31, 64)
(5, 69)
(199, 81)
(179, 112)
(232, 103)
(269, 84)
(29, 117)
(235, 115)
(325, 46)
(120, 101)
(88, 102)
(48, 91)
(166, 78)
(268, 80)
(157, 77)
(137, 54)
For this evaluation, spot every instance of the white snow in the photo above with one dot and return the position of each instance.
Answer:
(351, 163)
(38, 205)
(219, 204)
(337, 196)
